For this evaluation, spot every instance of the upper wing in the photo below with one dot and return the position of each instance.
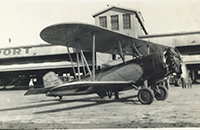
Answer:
(107, 41)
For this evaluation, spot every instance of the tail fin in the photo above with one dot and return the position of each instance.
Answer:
(51, 80)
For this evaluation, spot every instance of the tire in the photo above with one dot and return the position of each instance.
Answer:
(145, 96)
(163, 95)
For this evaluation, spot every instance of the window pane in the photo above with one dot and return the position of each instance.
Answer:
(114, 22)
(126, 21)
(103, 21)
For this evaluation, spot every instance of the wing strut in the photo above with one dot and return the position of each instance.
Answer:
(93, 57)
(148, 49)
(84, 59)
(71, 62)
(78, 64)
(84, 71)
(134, 48)
(121, 52)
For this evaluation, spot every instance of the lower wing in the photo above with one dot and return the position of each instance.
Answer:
(89, 87)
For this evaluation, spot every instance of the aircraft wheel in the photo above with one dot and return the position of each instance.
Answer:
(163, 93)
(145, 96)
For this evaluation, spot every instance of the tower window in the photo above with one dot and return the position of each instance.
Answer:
(126, 21)
(103, 21)
(114, 22)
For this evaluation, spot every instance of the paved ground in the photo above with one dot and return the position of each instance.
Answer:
(180, 109)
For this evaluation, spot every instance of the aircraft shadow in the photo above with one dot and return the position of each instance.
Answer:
(95, 101)
(66, 100)
(95, 97)
(87, 99)
(45, 104)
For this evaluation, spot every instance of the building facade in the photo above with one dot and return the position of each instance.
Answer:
(126, 21)
(22, 64)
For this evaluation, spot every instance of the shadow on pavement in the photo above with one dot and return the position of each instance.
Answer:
(94, 101)
(99, 102)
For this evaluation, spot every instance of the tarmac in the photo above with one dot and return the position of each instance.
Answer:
(180, 110)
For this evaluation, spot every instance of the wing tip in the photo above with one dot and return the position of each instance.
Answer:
(29, 92)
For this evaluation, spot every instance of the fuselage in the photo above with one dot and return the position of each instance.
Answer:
(135, 70)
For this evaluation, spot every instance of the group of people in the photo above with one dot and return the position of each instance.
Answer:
(186, 81)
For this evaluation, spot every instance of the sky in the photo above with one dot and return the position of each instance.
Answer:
(22, 20)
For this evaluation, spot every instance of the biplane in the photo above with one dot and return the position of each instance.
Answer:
(150, 63)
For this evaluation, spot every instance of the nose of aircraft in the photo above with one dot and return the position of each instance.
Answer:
(173, 59)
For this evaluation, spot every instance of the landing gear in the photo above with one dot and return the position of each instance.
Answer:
(162, 93)
(110, 93)
(146, 95)
(178, 82)
(60, 98)
(116, 95)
